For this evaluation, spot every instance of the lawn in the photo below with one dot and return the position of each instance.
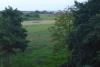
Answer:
(40, 50)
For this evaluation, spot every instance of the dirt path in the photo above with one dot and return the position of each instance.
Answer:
(38, 22)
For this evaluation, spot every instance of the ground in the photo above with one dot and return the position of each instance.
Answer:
(40, 48)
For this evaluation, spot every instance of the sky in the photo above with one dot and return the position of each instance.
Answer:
(32, 5)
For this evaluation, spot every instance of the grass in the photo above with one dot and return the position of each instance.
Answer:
(40, 50)
(38, 35)
(47, 16)
(41, 17)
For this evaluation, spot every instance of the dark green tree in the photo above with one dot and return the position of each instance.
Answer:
(84, 41)
(12, 34)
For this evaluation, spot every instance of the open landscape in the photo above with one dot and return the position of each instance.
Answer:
(45, 33)
(40, 48)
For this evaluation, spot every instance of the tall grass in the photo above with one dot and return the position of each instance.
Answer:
(39, 52)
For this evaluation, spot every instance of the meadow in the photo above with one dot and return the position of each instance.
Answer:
(47, 16)
(40, 48)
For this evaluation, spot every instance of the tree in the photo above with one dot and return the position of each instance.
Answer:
(84, 40)
(63, 24)
(36, 16)
(31, 16)
(12, 33)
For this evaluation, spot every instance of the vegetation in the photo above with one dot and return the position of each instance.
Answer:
(38, 15)
(84, 41)
(39, 50)
(61, 29)
(12, 33)
(47, 16)
(72, 41)
(31, 16)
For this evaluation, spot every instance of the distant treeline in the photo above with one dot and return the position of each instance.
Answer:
(35, 15)
(39, 12)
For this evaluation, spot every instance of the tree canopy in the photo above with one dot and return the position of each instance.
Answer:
(12, 34)
(84, 41)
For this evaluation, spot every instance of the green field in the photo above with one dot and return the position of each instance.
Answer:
(41, 17)
(40, 50)
(47, 16)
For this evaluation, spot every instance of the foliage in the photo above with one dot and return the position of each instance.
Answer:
(31, 16)
(47, 16)
(44, 12)
(84, 41)
(38, 15)
(12, 35)
(39, 50)
(61, 29)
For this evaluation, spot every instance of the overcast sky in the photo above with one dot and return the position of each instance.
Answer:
(31, 5)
